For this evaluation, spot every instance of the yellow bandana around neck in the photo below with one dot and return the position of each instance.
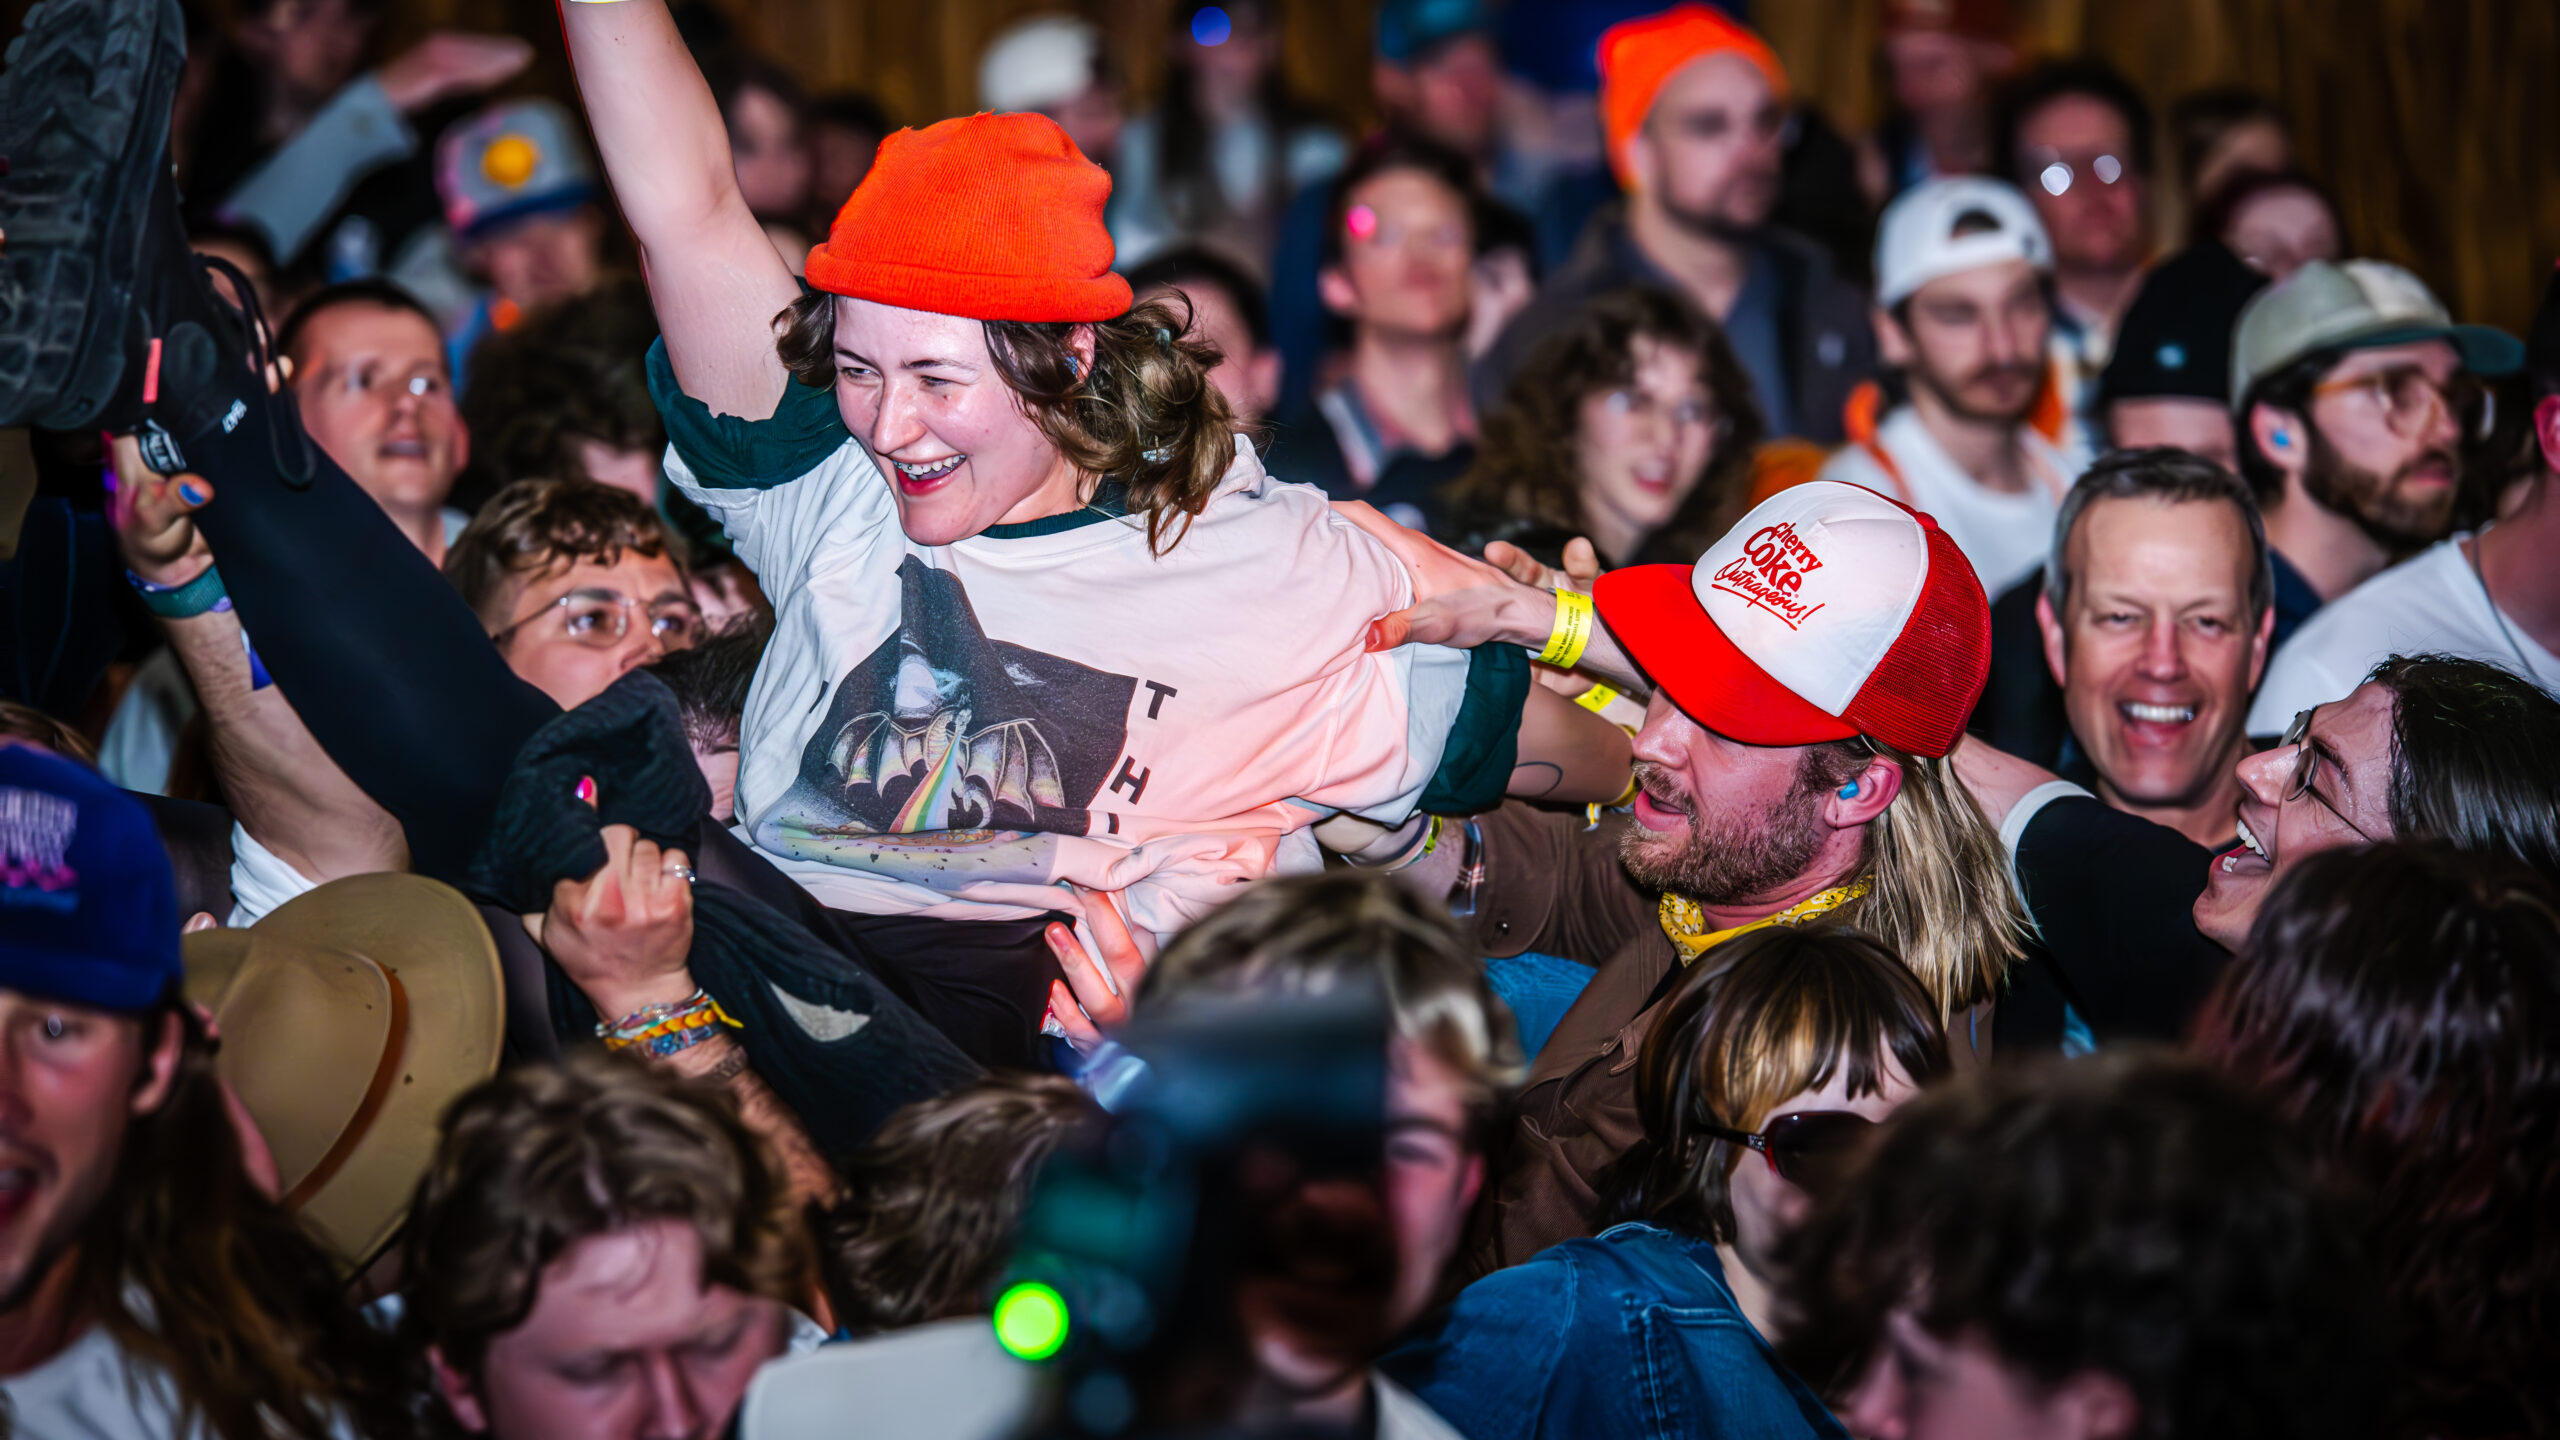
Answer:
(1685, 921)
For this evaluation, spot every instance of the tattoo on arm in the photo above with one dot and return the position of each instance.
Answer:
(723, 1059)
(1534, 778)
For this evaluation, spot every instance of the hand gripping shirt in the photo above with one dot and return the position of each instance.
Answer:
(951, 730)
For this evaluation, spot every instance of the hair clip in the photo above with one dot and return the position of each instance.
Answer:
(1164, 339)
(1074, 366)
(1158, 455)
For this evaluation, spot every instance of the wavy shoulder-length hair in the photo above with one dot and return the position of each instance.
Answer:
(1526, 474)
(2400, 1003)
(1143, 415)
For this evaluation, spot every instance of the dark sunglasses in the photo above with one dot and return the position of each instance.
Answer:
(1810, 1149)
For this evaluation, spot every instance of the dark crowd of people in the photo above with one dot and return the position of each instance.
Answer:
(1605, 763)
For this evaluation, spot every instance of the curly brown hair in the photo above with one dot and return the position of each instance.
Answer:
(534, 525)
(1144, 415)
(931, 1204)
(1526, 480)
(545, 1156)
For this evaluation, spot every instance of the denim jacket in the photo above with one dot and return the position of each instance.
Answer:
(1630, 1333)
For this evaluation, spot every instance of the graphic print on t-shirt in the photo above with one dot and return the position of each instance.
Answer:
(952, 738)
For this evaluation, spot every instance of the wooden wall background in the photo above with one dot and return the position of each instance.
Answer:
(2437, 122)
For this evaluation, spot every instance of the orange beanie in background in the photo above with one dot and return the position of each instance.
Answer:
(1637, 56)
(992, 217)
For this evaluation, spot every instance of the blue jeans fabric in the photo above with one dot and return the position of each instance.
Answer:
(1539, 989)
(1631, 1333)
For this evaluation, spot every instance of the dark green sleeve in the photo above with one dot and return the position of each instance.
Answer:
(725, 452)
(1484, 742)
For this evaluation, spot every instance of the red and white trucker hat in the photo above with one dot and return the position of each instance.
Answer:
(1829, 611)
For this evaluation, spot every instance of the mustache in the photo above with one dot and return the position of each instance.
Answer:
(2019, 370)
(2439, 456)
(1655, 781)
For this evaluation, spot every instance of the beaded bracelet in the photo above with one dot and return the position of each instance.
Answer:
(1572, 632)
(668, 1027)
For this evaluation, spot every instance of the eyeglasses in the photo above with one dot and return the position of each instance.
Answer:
(2057, 172)
(2408, 395)
(1809, 1149)
(2306, 769)
(372, 379)
(598, 619)
(1687, 410)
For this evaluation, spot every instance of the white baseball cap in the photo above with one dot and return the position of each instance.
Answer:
(1944, 227)
(1038, 63)
(1829, 611)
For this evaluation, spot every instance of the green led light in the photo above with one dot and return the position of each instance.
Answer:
(1031, 1321)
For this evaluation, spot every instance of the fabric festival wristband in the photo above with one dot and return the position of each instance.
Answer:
(1572, 634)
(182, 602)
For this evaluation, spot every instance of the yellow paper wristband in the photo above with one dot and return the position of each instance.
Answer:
(1572, 634)
(1595, 699)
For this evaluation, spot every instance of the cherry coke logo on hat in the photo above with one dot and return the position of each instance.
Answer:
(1829, 611)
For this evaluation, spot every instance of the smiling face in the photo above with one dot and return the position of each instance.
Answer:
(374, 393)
(624, 1342)
(2348, 803)
(953, 440)
(1973, 341)
(1765, 1205)
(1642, 448)
(2156, 649)
(72, 1080)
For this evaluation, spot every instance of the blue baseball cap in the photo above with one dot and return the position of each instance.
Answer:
(88, 902)
(1407, 28)
(514, 159)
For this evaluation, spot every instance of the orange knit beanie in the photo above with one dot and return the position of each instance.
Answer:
(1638, 56)
(994, 217)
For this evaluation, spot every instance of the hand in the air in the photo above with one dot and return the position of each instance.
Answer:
(1098, 992)
(623, 935)
(155, 518)
(448, 63)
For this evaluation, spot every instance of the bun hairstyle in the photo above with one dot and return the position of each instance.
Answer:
(1144, 415)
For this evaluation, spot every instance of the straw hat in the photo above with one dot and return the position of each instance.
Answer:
(350, 1017)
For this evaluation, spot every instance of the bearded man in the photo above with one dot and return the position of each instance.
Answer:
(2354, 393)
(1809, 675)
(1964, 316)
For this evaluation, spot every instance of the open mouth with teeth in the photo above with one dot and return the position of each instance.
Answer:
(922, 477)
(2249, 857)
(2144, 722)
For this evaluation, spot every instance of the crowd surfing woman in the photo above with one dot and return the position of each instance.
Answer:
(1041, 615)
(1634, 427)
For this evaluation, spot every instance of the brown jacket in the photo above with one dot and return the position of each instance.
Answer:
(1554, 886)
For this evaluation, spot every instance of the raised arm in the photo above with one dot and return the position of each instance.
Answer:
(715, 279)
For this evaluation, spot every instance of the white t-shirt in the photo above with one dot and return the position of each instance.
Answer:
(2431, 602)
(2006, 536)
(951, 730)
(96, 1390)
